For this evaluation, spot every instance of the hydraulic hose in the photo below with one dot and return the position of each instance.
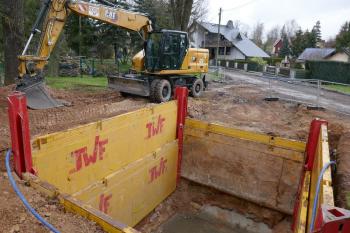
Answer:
(314, 210)
(23, 199)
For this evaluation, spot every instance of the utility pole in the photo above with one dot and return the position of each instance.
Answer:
(217, 50)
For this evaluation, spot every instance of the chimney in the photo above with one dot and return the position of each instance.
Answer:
(229, 24)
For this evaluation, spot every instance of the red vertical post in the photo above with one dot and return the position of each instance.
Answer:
(181, 94)
(312, 141)
(20, 135)
(310, 152)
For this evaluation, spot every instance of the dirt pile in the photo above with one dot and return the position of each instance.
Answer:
(84, 107)
(342, 176)
(15, 218)
(242, 105)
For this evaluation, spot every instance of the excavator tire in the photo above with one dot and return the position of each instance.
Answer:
(153, 90)
(161, 91)
(197, 88)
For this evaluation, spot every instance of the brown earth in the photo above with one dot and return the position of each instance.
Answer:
(189, 197)
(15, 218)
(240, 105)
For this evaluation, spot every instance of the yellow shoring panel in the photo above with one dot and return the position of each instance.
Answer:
(322, 157)
(72, 160)
(247, 135)
(132, 192)
(300, 225)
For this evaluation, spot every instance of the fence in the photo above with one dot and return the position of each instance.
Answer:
(75, 66)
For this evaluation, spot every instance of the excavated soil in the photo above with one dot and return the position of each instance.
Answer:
(15, 218)
(233, 104)
(189, 198)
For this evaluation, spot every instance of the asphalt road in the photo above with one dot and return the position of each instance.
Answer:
(298, 92)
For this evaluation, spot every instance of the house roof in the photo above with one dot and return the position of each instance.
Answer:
(310, 54)
(276, 42)
(347, 51)
(241, 42)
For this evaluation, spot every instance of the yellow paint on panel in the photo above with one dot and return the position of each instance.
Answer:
(72, 160)
(322, 157)
(247, 135)
(300, 226)
(107, 223)
(132, 192)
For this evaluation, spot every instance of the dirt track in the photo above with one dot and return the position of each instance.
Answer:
(235, 103)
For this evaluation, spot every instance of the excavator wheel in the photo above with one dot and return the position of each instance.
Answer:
(197, 88)
(153, 90)
(160, 91)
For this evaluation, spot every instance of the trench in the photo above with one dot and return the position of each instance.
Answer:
(197, 208)
(232, 181)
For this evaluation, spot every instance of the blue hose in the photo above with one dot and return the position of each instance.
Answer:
(320, 177)
(20, 195)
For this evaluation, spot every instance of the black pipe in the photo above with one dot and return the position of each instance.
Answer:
(107, 3)
(42, 13)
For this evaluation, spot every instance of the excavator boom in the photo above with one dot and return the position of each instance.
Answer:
(53, 16)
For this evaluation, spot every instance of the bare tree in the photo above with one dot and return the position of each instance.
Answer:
(272, 35)
(181, 12)
(199, 10)
(289, 28)
(13, 27)
(242, 27)
(257, 34)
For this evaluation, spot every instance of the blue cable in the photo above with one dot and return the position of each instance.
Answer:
(320, 177)
(23, 199)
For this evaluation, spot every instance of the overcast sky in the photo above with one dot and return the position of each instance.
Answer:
(331, 13)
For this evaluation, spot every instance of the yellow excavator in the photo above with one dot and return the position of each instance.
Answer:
(165, 62)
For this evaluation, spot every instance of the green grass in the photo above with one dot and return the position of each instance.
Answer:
(340, 88)
(73, 83)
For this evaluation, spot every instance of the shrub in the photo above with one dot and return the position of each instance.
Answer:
(330, 71)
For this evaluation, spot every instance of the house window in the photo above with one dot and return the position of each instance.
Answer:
(221, 51)
(228, 50)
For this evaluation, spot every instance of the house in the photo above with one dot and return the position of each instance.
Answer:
(276, 48)
(329, 54)
(233, 44)
(315, 54)
(343, 56)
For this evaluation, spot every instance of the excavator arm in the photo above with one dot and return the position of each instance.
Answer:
(57, 11)
(53, 16)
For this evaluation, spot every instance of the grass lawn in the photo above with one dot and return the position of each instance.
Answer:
(340, 88)
(86, 83)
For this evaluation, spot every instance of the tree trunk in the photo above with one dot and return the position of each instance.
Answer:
(13, 27)
(181, 12)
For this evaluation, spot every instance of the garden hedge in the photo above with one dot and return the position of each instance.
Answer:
(329, 71)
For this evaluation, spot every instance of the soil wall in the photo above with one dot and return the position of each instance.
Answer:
(264, 170)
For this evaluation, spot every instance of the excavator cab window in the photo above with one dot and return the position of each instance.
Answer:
(166, 50)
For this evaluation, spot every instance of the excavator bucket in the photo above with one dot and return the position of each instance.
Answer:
(37, 96)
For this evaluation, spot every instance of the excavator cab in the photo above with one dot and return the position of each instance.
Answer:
(165, 50)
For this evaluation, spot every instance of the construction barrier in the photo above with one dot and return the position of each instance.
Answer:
(328, 218)
(260, 168)
(119, 168)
